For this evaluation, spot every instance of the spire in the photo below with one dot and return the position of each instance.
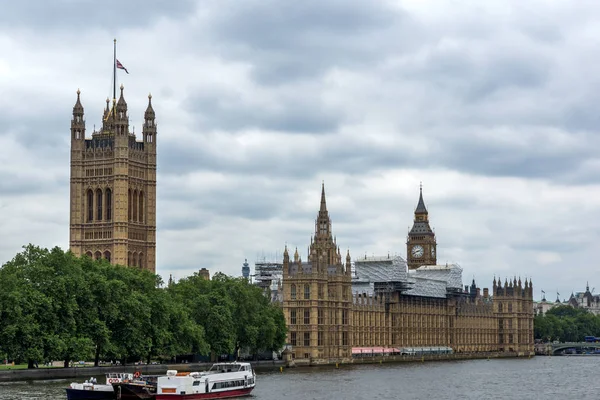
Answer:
(421, 209)
(121, 104)
(149, 114)
(323, 203)
(78, 108)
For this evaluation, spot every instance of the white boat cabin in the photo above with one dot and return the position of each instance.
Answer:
(221, 377)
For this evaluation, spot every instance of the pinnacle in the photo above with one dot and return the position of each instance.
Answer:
(323, 202)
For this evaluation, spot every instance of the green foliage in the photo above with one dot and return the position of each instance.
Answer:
(566, 324)
(55, 306)
(233, 313)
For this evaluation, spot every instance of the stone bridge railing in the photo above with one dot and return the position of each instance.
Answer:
(552, 349)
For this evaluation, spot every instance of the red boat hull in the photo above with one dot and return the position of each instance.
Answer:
(206, 396)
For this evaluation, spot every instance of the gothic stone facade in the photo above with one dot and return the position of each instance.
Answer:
(113, 188)
(325, 320)
(317, 296)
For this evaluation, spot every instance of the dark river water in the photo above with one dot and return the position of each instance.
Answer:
(537, 378)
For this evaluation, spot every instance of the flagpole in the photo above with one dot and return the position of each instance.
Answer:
(115, 71)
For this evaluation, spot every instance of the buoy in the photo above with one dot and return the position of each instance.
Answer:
(422, 358)
(280, 369)
(337, 365)
(380, 361)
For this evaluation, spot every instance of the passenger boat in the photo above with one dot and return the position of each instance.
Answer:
(222, 380)
(139, 388)
(92, 390)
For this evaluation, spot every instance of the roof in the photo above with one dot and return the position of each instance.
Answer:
(426, 281)
(421, 209)
(421, 227)
(380, 269)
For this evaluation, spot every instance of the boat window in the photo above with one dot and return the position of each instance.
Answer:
(196, 383)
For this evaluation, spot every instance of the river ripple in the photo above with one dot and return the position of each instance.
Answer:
(537, 378)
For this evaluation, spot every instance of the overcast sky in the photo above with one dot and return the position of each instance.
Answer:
(493, 105)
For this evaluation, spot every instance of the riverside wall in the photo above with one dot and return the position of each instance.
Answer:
(83, 373)
(399, 359)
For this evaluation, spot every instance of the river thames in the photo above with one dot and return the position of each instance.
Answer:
(536, 378)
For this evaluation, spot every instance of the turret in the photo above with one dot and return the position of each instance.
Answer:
(149, 127)
(286, 262)
(348, 269)
(121, 117)
(78, 123)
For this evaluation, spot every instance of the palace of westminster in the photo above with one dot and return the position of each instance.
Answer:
(332, 309)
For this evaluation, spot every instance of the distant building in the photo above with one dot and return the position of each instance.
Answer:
(583, 300)
(204, 274)
(586, 300)
(543, 306)
(246, 270)
(267, 276)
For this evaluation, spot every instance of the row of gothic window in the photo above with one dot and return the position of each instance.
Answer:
(133, 259)
(295, 341)
(100, 205)
(306, 291)
(103, 205)
(295, 296)
(98, 255)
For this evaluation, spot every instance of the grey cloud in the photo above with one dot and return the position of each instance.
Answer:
(69, 15)
(297, 40)
(227, 112)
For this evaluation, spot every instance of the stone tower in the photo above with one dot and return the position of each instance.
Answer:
(513, 307)
(421, 245)
(113, 188)
(317, 299)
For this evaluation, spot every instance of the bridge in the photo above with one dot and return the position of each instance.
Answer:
(554, 349)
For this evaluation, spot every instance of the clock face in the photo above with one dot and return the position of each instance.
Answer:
(417, 251)
(433, 252)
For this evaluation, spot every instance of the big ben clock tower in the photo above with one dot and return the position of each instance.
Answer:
(421, 244)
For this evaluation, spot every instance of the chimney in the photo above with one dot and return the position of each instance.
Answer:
(486, 293)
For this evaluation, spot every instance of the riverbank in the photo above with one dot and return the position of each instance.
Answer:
(77, 373)
(82, 373)
(404, 358)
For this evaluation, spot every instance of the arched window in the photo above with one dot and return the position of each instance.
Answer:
(107, 255)
(90, 205)
(499, 307)
(99, 205)
(98, 255)
(129, 259)
(89, 254)
(108, 204)
(509, 307)
(134, 260)
(306, 291)
(141, 207)
(134, 205)
(141, 260)
(293, 292)
(129, 206)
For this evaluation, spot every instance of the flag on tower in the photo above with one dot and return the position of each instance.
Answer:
(120, 66)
